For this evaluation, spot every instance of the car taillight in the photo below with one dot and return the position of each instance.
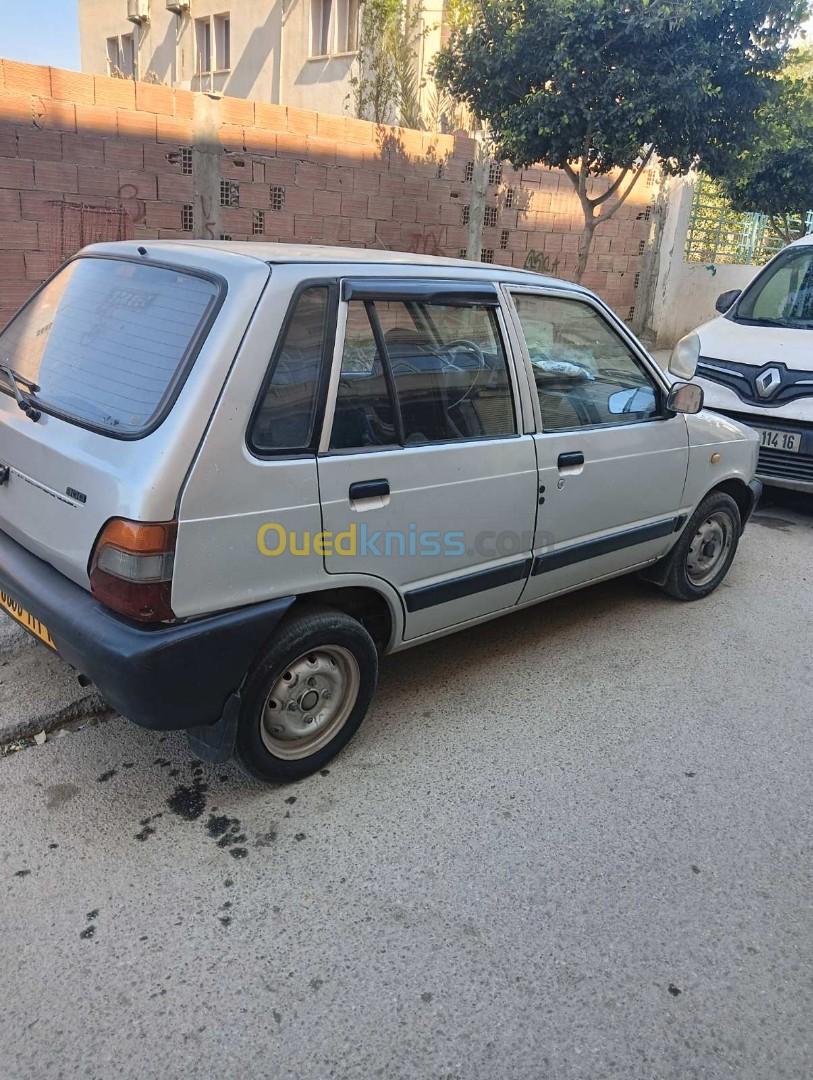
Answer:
(131, 568)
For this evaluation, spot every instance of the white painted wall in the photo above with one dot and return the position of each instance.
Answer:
(685, 292)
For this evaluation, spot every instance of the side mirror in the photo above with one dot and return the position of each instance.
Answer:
(685, 397)
(727, 300)
(686, 353)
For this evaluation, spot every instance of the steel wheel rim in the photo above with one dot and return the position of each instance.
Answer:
(709, 548)
(310, 702)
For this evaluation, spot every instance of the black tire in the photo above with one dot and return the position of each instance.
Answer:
(681, 581)
(312, 635)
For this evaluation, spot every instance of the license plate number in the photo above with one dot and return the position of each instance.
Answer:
(789, 441)
(26, 619)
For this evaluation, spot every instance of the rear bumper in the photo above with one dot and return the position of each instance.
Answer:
(165, 678)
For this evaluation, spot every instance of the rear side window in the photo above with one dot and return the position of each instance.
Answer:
(110, 341)
(285, 415)
(416, 372)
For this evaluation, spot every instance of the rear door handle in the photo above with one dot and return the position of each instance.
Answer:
(369, 489)
(569, 461)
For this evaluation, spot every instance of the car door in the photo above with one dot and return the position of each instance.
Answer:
(612, 459)
(424, 477)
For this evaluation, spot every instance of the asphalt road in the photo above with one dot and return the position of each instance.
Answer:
(575, 843)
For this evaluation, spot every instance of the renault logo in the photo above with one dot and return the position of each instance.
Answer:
(768, 382)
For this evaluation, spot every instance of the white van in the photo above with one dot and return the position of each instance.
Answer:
(756, 364)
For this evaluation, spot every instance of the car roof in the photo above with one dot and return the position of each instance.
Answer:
(802, 240)
(320, 254)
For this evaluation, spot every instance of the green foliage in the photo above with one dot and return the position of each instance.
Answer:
(609, 84)
(387, 86)
(773, 174)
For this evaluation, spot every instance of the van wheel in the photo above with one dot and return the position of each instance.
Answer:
(706, 549)
(306, 696)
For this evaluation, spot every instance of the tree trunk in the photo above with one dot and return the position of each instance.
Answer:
(477, 204)
(585, 242)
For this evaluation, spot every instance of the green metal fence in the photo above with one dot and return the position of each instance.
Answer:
(718, 234)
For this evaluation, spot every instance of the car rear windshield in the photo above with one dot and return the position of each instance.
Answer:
(108, 341)
(783, 294)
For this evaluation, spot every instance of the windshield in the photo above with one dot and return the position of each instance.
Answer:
(783, 295)
(108, 341)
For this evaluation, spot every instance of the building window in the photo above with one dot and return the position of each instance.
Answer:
(229, 193)
(509, 198)
(461, 253)
(495, 172)
(630, 314)
(277, 197)
(468, 174)
(641, 247)
(348, 28)
(187, 218)
(258, 223)
(121, 57)
(225, 236)
(222, 25)
(321, 11)
(487, 255)
(186, 160)
(465, 213)
(504, 239)
(637, 280)
(490, 216)
(203, 45)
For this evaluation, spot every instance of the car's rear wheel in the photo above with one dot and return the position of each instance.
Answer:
(703, 554)
(306, 696)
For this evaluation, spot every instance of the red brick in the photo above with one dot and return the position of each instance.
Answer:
(12, 265)
(160, 158)
(254, 196)
(184, 104)
(83, 149)
(309, 175)
(9, 206)
(55, 175)
(280, 171)
(72, 86)
(336, 230)
(354, 205)
(123, 155)
(231, 137)
(40, 205)
(269, 117)
(118, 93)
(363, 231)
(8, 144)
(238, 111)
(327, 202)
(428, 212)
(138, 185)
(40, 145)
(96, 120)
(416, 185)
(298, 200)
(331, 127)
(323, 150)
(387, 232)
(367, 180)
(174, 129)
(300, 121)
(392, 184)
(380, 207)
(235, 220)
(23, 78)
(307, 227)
(19, 235)
(236, 166)
(358, 131)
(15, 110)
(38, 265)
(16, 173)
(154, 98)
(136, 125)
(159, 216)
(260, 141)
(405, 210)
(95, 181)
(340, 178)
(291, 144)
(56, 115)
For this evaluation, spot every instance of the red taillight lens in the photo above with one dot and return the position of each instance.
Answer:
(131, 568)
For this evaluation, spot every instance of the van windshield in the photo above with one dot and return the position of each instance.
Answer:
(783, 295)
(108, 342)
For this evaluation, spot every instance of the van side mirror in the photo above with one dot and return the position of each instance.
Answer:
(685, 397)
(727, 300)
(686, 353)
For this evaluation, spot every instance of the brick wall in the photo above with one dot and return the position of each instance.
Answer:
(85, 158)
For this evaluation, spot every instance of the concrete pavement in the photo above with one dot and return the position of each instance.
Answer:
(571, 844)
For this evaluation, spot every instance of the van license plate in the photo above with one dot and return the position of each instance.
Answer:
(789, 441)
(26, 619)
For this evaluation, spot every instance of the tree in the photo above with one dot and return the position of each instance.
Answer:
(596, 87)
(773, 175)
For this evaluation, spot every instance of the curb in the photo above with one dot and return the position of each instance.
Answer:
(92, 707)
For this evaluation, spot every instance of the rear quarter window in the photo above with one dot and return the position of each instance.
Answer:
(110, 341)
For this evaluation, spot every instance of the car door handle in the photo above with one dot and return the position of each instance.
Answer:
(569, 461)
(369, 489)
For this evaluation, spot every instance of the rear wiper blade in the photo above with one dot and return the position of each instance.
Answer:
(23, 400)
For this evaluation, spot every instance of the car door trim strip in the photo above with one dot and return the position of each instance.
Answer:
(591, 549)
(446, 591)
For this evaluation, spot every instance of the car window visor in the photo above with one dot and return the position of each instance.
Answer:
(461, 293)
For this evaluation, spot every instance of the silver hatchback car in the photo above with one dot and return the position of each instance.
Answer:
(233, 476)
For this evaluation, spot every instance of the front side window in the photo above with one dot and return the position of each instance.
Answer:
(783, 295)
(585, 375)
(415, 373)
(284, 418)
(108, 341)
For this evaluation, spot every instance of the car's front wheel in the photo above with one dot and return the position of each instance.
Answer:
(703, 554)
(306, 696)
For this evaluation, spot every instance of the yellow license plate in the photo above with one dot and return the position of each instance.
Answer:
(26, 619)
